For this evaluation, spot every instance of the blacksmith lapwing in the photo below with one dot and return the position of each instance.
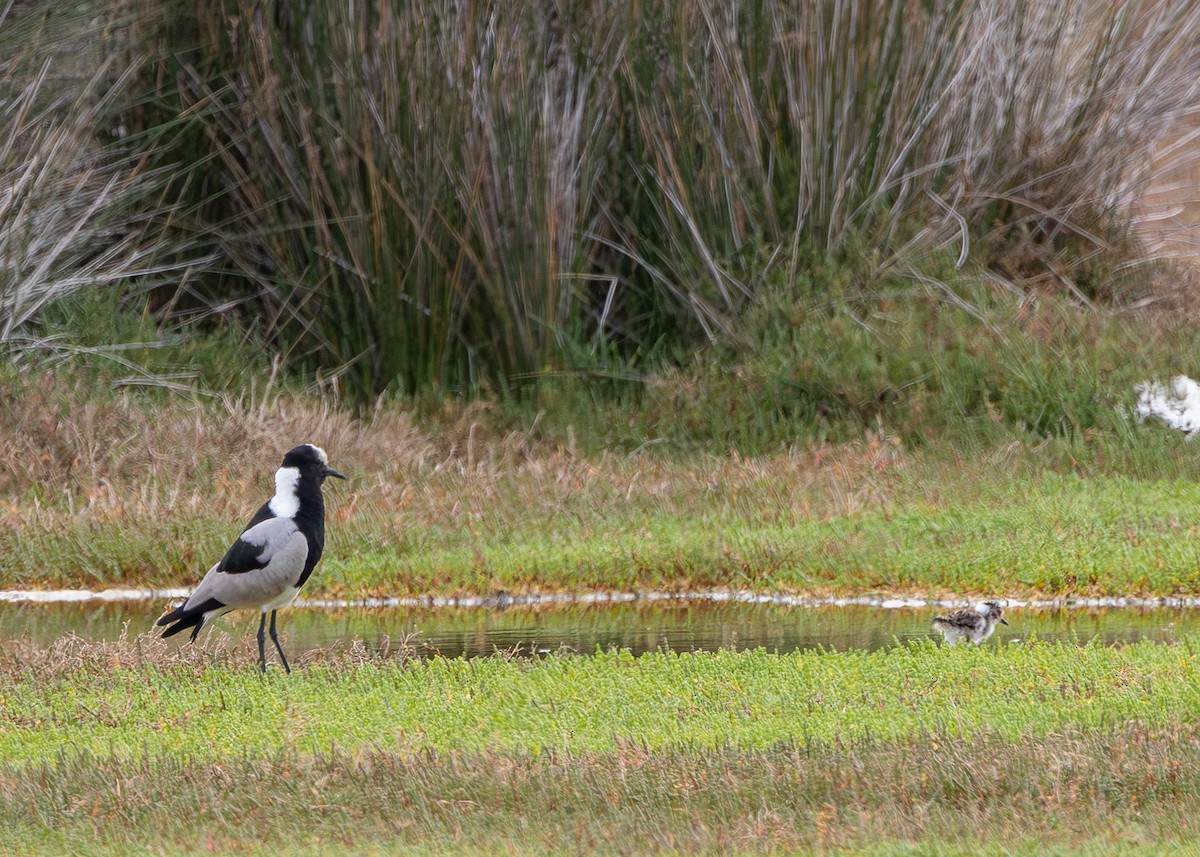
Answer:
(272, 558)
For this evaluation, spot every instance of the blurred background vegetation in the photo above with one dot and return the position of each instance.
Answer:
(711, 224)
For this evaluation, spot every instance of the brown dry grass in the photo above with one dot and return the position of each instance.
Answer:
(118, 457)
(1116, 791)
(1168, 212)
(72, 657)
(1166, 220)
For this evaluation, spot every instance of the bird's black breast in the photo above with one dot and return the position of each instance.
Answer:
(310, 520)
(314, 531)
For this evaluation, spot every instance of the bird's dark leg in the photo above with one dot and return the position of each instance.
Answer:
(262, 641)
(279, 648)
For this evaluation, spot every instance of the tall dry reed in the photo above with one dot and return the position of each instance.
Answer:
(463, 196)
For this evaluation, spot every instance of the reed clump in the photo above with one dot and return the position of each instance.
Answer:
(460, 198)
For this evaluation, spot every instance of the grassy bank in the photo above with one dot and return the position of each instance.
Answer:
(916, 750)
(853, 518)
(117, 479)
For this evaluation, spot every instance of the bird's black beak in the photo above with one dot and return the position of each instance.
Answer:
(329, 471)
(1003, 621)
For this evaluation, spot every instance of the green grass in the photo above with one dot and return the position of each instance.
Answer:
(916, 750)
(749, 700)
(1058, 535)
(1053, 535)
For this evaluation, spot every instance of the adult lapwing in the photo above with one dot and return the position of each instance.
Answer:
(271, 559)
(975, 626)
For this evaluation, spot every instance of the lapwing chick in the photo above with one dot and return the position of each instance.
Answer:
(974, 626)
(271, 559)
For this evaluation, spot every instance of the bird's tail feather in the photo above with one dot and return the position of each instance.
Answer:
(188, 617)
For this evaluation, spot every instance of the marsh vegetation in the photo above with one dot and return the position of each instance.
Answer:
(805, 297)
(919, 749)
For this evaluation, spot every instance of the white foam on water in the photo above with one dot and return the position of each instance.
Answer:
(487, 602)
(744, 597)
(64, 596)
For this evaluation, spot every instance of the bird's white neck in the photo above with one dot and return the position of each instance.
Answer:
(285, 503)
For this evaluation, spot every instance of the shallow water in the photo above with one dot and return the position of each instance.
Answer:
(639, 625)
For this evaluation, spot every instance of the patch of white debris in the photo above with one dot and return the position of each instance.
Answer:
(1178, 405)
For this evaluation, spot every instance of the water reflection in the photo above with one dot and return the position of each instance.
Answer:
(639, 626)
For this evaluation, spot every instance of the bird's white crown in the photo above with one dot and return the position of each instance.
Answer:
(320, 452)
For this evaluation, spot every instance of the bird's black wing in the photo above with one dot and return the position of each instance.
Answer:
(245, 555)
(963, 619)
(242, 557)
